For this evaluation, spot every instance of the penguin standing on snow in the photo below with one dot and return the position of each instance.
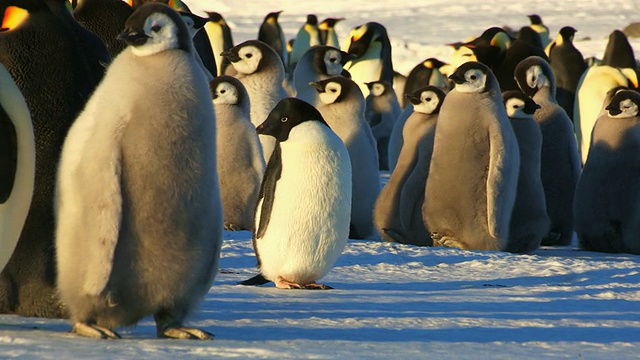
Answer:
(318, 63)
(240, 162)
(139, 219)
(302, 216)
(342, 107)
(271, 33)
(381, 112)
(568, 65)
(560, 162)
(606, 203)
(473, 174)
(17, 164)
(529, 220)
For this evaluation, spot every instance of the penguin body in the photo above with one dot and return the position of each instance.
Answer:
(318, 63)
(618, 52)
(104, 18)
(568, 65)
(560, 161)
(307, 37)
(342, 107)
(529, 220)
(395, 139)
(328, 35)
(220, 40)
(539, 27)
(607, 217)
(381, 112)
(17, 164)
(302, 214)
(139, 219)
(271, 33)
(240, 161)
(261, 72)
(474, 167)
(398, 209)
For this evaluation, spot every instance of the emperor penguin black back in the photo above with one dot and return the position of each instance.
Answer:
(106, 19)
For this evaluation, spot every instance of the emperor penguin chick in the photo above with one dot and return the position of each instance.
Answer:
(560, 161)
(261, 72)
(342, 107)
(139, 217)
(529, 220)
(381, 112)
(318, 63)
(606, 203)
(398, 210)
(473, 175)
(302, 216)
(240, 162)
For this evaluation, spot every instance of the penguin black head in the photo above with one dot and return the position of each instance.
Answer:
(379, 88)
(215, 17)
(566, 34)
(192, 20)
(155, 27)
(624, 104)
(493, 36)
(535, 19)
(335, 89)
(534, 73)
(363, 35)
(472, 77)
(286, 115)
(328, 23)
(530, 36)
(312, 20)
(251, 56)
(228, 90)
(427, 99)
(272, 17)
(519, 105)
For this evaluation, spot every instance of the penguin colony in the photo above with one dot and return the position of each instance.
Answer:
(513, 143)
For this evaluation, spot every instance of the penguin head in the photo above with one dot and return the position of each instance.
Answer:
(565, 35)
(363, 36)
(286, 115)
(329, 23)
(336, 89)
(427, 99)
(333, 60)
(519, 105)
(193, 22)
(251, 56)
(535, 19)
(624, 104)
(493, 36)
(215, 17)
(472, 77)
(228, 90)
(153, 28)
(533, 74)
(272, 17)
(378, 88)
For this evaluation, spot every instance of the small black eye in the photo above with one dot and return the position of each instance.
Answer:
(515, 106)
(284, 119)
(248, 56)
(333, 90)
(427, 99)
(156, 28)
(333, 60)
(223, 91)
(473, 77)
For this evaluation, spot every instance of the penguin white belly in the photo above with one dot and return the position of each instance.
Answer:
(309, 221)
(367, 68)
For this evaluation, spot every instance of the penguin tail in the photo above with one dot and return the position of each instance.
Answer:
(255, 281)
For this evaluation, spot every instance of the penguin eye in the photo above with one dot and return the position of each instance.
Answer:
(284, 119)
(473, 77)
(428, 99)
(516, 106)
(249, 55)
(223, 91)
(156, 28)
(333, 60)
(333, 90)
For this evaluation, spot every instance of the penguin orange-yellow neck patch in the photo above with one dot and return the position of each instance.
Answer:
(13, 16)
(357, 33)
(130, 2)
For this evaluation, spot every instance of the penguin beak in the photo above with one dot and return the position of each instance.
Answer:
(413, 99)
(133, 38)
(317, 86)
(231, 56)
(456, 78)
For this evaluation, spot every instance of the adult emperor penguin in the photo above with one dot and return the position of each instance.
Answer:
(370, 45)
(328, 35)
(139, 219)
(342, 107)
(106, 19)
(381, 112)
(619, 53)
(398, 210)
(529, 220)
(220, 39)
(538, 26)
(262, 73)
(473, 174)
(271, 33)
(318, 63)
(308, 36)
(606, 203)
(302, 214)
(54, 98)
(560, 161)
(568, 65)
(17, 164)
(425, 73)
(240, 161)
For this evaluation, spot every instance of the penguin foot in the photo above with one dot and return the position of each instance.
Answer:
(185, 333)
(93, 331)
(231, 227)
(284, 284)
(255, 281)
(451, 242)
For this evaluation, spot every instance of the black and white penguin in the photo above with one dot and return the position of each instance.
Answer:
(302, 215)
(318, 63)
(220, 39)
(262, 73)
(529, 220)
(398, 210)
(240, 161)
(425, 73)
(619, 53)
(342, 107)
(568, 65)
(328, 35)
(473, 175)
(139, 218)
(271, 33)
(370, 45)
(539, 27)
(382, 109)
(104, 18)
(30, 50)
(606, 213)
(560, 161)
(308, 36)
(17, 164)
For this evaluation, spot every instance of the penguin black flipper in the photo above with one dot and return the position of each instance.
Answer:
(268, 189)
(255, 281)
(8, 156)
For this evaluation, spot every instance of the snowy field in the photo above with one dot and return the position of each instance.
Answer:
(391, 300)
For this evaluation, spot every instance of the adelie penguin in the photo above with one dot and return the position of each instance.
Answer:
(303, 211)
(139, 217)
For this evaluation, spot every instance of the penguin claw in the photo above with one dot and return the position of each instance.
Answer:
(231, 227)
(186, 333)
(451, 242)
(93, 331)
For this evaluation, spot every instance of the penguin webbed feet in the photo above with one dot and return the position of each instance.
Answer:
(447, 241)
(168, 326)
(284, 284)
(94, 331)
(255, 281)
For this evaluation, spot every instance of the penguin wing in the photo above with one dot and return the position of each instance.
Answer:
(8, 156)
(267, 191)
